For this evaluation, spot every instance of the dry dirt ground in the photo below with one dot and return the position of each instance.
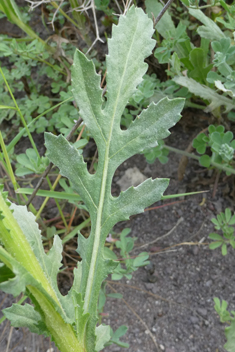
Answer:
(172, 309)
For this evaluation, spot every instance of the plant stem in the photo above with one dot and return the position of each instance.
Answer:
(8, 164)
(21, 116)
(63, 333)
(182, 152)
(18, 252)
(193, 156)
(157, 19)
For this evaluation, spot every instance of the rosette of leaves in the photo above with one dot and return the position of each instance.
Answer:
(30, 163)
(229, 318)
(223, 222)
(127, 264)
(71, 320)
(224, 61)
(222, 146)
(158, 152)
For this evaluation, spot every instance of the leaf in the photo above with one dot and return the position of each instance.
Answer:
(232, 220)
(230, 335)
(215, 236)
(12, 12)
(141, 259)
(205, 160)
(165, 25)
(210, 30)
(205, 93)
(215, 245)
(131, 43)
(52, 194)
(224, 249)
(119, 333)
(200, 71)
(50, 262)
(103, 336)
(221, 86)
(115, 295)
(228, 214)
(7, 107)
(25, 316)
(215, 222)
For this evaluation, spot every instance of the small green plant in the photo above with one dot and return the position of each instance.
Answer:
(158, 152)
(223, 222)
(30, 162)
(126, 244)
(229, 318)
(71, 320)
(222, 147)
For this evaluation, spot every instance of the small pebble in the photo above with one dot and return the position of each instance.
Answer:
(202, 311)
(194, 320)
(208, 283)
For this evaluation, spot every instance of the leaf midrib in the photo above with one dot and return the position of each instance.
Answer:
(97, 234)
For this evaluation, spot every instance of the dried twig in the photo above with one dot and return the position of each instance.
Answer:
(138, 317)
(9, 339)
(157, 19)
(54, 15)
(34, 4)
(160, 238)
(90, 5)
(141, 290)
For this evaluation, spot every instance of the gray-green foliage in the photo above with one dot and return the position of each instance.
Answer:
(222, 146)
(223, 222)
(131, 43)
(229, 318)
(125, 68)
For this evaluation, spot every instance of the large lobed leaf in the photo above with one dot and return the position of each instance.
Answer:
(216, 100)
(35, 272)
(131, 43)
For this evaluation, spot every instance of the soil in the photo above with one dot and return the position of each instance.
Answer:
(170, 307)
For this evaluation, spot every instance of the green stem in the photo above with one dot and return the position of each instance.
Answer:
(63, 333)
(49, 64)
(193, 156)
(182, 152)
(13, 14)
(194, 105)
(18, 250)
(9, 168)
(21, 116)
(76, 230)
